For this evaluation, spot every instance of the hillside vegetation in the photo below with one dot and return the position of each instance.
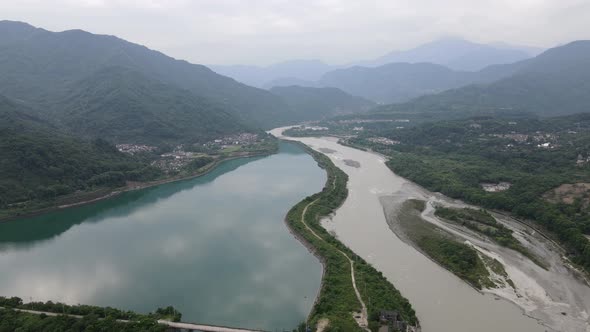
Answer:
(40, 68)
(318, 103)
(39, 163)
(123, 105)
(533, 156)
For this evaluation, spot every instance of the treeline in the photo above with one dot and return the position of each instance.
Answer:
(337, 299)
(11, 320)
(168, 313)
(41, 163)
(42, 167)
(93, 318)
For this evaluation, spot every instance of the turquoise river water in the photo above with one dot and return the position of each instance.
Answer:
(215, 247)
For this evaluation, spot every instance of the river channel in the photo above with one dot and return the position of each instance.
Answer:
(443, 302)
(216, 247)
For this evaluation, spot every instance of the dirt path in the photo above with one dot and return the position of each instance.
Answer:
(363, 321)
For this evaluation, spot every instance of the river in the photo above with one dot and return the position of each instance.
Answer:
(443, 302)
(216, 247)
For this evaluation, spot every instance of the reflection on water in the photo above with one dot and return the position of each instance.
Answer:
(28, 231)
(215, 247)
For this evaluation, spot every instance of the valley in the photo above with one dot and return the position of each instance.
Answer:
(335, 167)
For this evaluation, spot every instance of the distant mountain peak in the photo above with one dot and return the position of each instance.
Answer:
(456, 53)
(15, 30)
(16, 24)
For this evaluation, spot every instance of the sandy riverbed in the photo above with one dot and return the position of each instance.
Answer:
(442, 301)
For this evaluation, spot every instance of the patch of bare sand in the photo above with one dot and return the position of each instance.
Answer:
(322, 324)
(558, 296)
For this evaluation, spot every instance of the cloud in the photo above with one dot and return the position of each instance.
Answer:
(337, 31)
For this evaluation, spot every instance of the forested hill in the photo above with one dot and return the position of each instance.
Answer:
(39, 162)
(399, 82)
(123, 105)
(557, 82)
(39, 67)
(317, 103)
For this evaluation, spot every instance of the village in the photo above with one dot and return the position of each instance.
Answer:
(182, 155)
(382, 140)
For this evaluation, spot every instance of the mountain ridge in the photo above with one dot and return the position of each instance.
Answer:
(39, 66)
(556, 82)
(455, 53)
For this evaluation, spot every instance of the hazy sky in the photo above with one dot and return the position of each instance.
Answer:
(336, 31)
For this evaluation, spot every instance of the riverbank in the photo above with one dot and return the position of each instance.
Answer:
(185, 227)
(86, 198)
(443, 302)
(557, 297)
(340, 302)
(445, 249)
(554, 295)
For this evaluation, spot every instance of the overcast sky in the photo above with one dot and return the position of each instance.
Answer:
(336, 31)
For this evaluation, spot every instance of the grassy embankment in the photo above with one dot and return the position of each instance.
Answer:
(92, 318)
(446, 250)
(336, 300)
(483, 222)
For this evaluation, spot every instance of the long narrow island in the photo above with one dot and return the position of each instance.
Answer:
(354, 296)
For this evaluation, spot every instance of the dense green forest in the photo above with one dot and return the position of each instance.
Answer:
(126, 106)
(39, 163)
(534, 156)
(41, 67)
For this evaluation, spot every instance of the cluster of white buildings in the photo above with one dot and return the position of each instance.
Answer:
(239, 139)
(382, 140)
(135, 148)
